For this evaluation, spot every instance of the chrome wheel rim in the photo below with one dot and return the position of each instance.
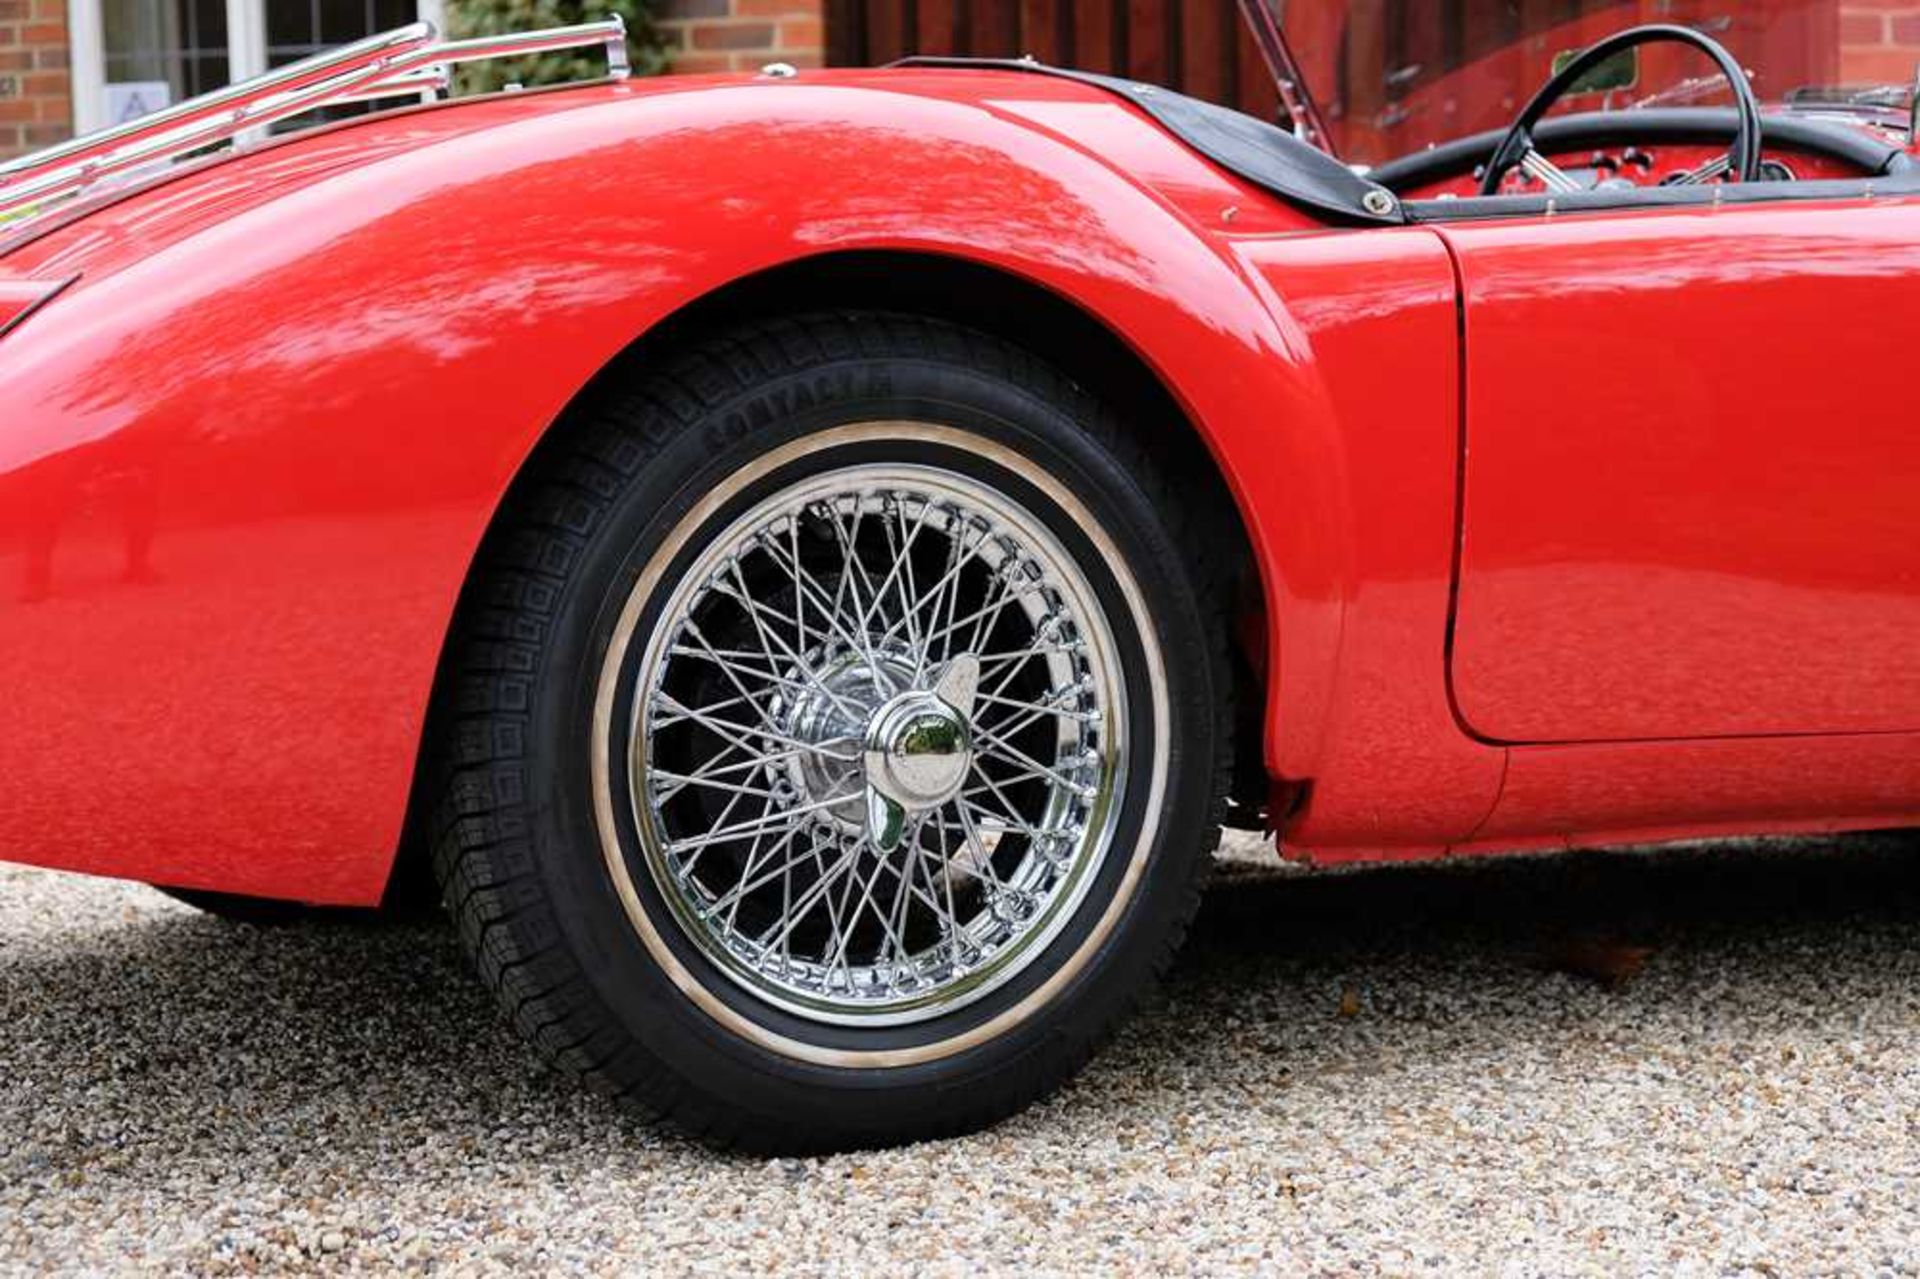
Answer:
(878, 732)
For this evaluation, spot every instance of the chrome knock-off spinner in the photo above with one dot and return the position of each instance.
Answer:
(919, 747)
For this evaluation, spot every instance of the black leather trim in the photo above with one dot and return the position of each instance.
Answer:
(1263, 154)
(1646, 126)
(1471, 208)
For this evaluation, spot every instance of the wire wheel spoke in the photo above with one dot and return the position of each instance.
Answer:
(798, 671)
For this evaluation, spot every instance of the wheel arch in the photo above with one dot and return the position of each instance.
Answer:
(1002, 304)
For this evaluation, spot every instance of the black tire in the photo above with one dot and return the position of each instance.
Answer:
(537, 852)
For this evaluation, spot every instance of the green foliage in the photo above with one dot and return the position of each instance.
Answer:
(493, 17)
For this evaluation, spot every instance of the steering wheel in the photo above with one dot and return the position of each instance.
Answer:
(1516, 149)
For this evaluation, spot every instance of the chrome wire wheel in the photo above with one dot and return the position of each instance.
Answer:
(878, 733)
(836, 730)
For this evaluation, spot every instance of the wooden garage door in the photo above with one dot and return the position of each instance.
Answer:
(1196, 46)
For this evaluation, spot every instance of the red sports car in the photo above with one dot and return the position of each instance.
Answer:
(809, 561)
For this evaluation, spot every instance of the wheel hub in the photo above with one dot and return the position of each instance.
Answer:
(917, 750)
(916, 745)
(840, 699)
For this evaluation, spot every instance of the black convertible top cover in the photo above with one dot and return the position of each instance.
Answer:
(1263, 154)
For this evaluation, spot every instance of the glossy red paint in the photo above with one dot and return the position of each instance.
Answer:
(1681, 538)
(246, 458)
(1363, 709)
(249, 454)
(21, 298)
(1593, 795)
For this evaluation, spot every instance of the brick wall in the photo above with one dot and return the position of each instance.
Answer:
(741, 35)
(1879, 41)
(36, 94)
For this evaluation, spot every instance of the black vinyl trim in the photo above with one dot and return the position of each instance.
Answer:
(1263, 154)
(1710, 125)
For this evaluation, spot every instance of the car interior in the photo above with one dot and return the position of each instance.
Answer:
(1543, 163)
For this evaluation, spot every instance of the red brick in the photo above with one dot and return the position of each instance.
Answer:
(699, 63)
(17, 111)
(733, 35)
(44, 135)
(16, 60)
(776, 8)
(801, 33)
(1906, 29)
(1862, 28)
(1875, 66)
(44, 33)
(12, 10)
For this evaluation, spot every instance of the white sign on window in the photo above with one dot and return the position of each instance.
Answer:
(131, 99)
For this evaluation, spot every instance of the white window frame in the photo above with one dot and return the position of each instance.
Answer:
(246, 50)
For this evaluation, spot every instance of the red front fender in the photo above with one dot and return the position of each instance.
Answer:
(246, 459)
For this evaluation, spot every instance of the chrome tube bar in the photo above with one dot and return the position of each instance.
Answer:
(405, 61)
(612, 33)
(429, 85)
(298, 75)
(1270, 37)
(1547, 173)
(70, 178)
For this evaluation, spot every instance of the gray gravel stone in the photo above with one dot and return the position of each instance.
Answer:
(1377, 1071)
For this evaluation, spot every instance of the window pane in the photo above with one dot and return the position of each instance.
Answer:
(300, 28)
(182, 43)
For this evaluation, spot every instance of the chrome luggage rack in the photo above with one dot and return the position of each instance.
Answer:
(407, 61)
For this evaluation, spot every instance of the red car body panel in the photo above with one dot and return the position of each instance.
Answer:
(1363, 710)
(247, 455)
(1652, 549)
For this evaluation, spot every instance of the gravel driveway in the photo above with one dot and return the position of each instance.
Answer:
(1389, 1070)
